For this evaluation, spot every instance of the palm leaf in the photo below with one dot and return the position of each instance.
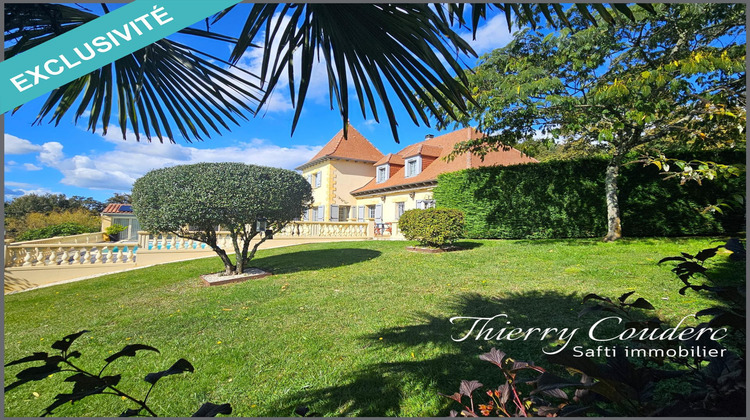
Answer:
(413, 55)
(414, 35)
(162, 86)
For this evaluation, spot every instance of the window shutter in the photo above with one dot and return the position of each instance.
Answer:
(321, 213)
(317, 179)
(334, 213)
(309, 179)
(379, 213)
(361, 213)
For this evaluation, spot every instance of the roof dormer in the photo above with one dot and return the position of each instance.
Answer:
(386, 166)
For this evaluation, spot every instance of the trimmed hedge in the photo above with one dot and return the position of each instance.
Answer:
(63, 229)
(565, 199)
(432, 227)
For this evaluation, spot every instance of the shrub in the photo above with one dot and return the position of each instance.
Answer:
(17, 225)
(232, 195)
(432, 227)
(564, 199)
(63, 229)
(114, 229)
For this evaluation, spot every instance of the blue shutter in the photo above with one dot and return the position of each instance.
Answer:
(334, 213)
(361, 213)
(318, 176)
(379, 213)
(321, 213)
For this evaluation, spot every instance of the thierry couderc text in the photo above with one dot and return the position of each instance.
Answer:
(497, 328)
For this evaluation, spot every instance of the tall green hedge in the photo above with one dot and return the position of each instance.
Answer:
(565, 199)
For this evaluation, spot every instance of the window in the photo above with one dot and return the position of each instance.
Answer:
(425, 204)
(400, 207)
(382, 174)
(413, 167)
(314, 217)
(370, 212)
(318, 177)
(344, 213)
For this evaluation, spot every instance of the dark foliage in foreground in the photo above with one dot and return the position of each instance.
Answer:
(86, 384)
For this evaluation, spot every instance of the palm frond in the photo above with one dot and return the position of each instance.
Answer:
(163, 86)
(408, 48)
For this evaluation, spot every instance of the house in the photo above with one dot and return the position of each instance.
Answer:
(121, 214)
(340, 167)
(354, 181)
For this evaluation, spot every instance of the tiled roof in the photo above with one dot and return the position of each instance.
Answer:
(390, 158)
(118, 208)
(355, 147)
(445, 145)
(421, 149)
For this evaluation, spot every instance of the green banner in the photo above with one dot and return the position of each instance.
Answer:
(95, 44)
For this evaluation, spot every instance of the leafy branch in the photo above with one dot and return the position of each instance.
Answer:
(88, 383)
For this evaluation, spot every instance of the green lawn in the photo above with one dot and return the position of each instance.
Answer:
(352, 328)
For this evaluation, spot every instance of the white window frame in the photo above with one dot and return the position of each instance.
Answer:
(400, 209)
(318, 178)
(383, 173)
(417, 161)
(371, 211)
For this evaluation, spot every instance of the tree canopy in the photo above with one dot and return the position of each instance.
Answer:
(193, 201)
(48, 203)
(675, 77)
(170, 87)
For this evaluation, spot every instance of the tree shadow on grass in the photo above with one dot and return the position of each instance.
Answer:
(318, 259)
(468, 244)
(381, 389)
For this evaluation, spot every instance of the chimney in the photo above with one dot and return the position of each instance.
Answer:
(429, 136)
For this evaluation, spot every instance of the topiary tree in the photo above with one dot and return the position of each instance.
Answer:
(432, 227)
(193, 201)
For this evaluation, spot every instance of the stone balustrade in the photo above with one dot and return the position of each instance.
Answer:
(293, 230)
(170, 242)
(41, 255)
(59, 253)
(324, 230)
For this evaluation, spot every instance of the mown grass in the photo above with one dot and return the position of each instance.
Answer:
(351, 328)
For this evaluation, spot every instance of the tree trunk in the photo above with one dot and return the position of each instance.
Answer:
(614, 229)
(240, 263)
(229, 268)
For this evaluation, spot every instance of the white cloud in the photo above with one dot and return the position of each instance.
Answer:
(18, 146)
(493, 34)
(16, 189)
(119, 168)
(32, 167)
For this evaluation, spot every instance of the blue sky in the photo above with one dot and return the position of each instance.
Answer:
(70, 160)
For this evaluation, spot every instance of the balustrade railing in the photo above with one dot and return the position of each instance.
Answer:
(323, 230)
(293, 230)
(40, 255)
